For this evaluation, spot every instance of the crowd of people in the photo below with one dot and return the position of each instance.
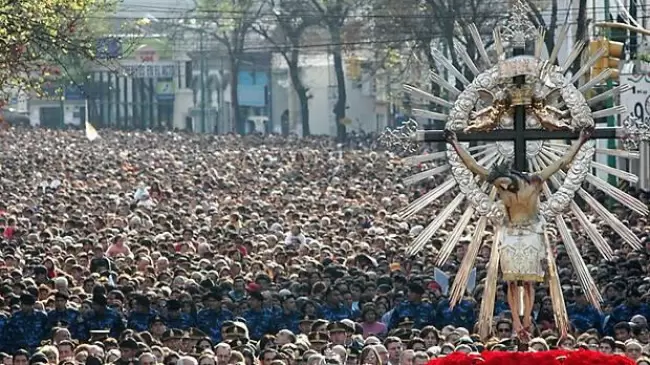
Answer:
(162, 248)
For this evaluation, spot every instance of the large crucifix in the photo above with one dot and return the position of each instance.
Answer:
(519, 135)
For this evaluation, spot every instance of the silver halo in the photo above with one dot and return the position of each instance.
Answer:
(545, 78)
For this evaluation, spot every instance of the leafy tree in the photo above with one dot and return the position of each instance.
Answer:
(284, 29)
(230, 22)
(39, 37)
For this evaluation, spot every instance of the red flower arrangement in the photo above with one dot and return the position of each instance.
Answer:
(555, 357)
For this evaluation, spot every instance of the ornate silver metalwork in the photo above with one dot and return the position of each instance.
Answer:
(636, 131)
(400, 137)
(548, 78)
(518, 29)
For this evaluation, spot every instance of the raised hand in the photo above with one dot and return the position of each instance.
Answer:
(450, 136)
(586, 134)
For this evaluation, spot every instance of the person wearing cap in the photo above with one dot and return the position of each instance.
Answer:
(337, 333)
(318, 340)
(462, 315)
(128, 351)
(211, 318)
(422, 314)
(62, 316)
(175, 318)
(26, 328)
(141, 315)
(157, 326)
(288, 318)
(103, 318)
(259, 320)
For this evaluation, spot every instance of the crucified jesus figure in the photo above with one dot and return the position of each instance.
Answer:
(522, 249)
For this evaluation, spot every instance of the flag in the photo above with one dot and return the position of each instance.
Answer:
(91, 133)
(442, 279)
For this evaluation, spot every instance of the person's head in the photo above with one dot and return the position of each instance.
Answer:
(394, 347)
(622, 331)
(505, 178)
(633, 349)
(607, 345)
(147, 358)
(406, 357)
(421, 358)
(504, 328)
(186, 360)
(65, 350)
(207, 359)
(21, 357)
(370, 355)
(430, 336)
(128, 348)
(52, 354)
(223, 353)
(267, 356)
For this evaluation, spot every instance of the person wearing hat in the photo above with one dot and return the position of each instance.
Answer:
(259, 320)
(175, 318)
(337, 333)
(235, 330)
(306, 323)
(422, 314)
(141, 315)
(62, 316)
(157, 326)
(27, 327)
(128, 351)
(102, 317)
(211, 318)
(318, 340)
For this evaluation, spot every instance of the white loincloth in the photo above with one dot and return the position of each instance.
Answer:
(522, 252)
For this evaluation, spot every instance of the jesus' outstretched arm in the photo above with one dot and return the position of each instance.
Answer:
(568, 157)
(468, 160)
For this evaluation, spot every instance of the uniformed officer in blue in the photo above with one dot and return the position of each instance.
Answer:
(288, 318)
(61, 315)
(27, 327)
(177, 319)
(103, 318)
(422, 314)
(141, 316)
(258, 319)
(210, 319)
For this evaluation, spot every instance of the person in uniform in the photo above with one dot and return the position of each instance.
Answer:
(26, 327)
(318, 340)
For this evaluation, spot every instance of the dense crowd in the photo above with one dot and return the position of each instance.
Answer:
(150, 248)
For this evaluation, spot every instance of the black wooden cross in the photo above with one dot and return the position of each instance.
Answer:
(519, 134)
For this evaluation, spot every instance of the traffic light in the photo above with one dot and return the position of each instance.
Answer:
(354, 68)
(611, 58)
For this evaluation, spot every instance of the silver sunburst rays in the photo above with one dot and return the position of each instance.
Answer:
(489, 74)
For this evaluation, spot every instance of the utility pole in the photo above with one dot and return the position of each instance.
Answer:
(611, 121)
(202, 82)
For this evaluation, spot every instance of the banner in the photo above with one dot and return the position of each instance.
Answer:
(637, 102)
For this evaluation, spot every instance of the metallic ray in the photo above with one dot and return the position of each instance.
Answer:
(422, 239)
(438, 57)
(559, 43)
(609, 112)
(575, 53)
(426, 199)
(609, 94)
(467, 60)
(426, 174)
(459, 286)
(418, 159)
(438, 80)
(622, 230)
(480, 46)
(588, 65)
(599, 79)
(585, 279)
(428, 96)
(602, 185)
(429, 114)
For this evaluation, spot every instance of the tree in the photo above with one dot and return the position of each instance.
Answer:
(229, 22)
(284, 30)
(38, 36)
(333, 15)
